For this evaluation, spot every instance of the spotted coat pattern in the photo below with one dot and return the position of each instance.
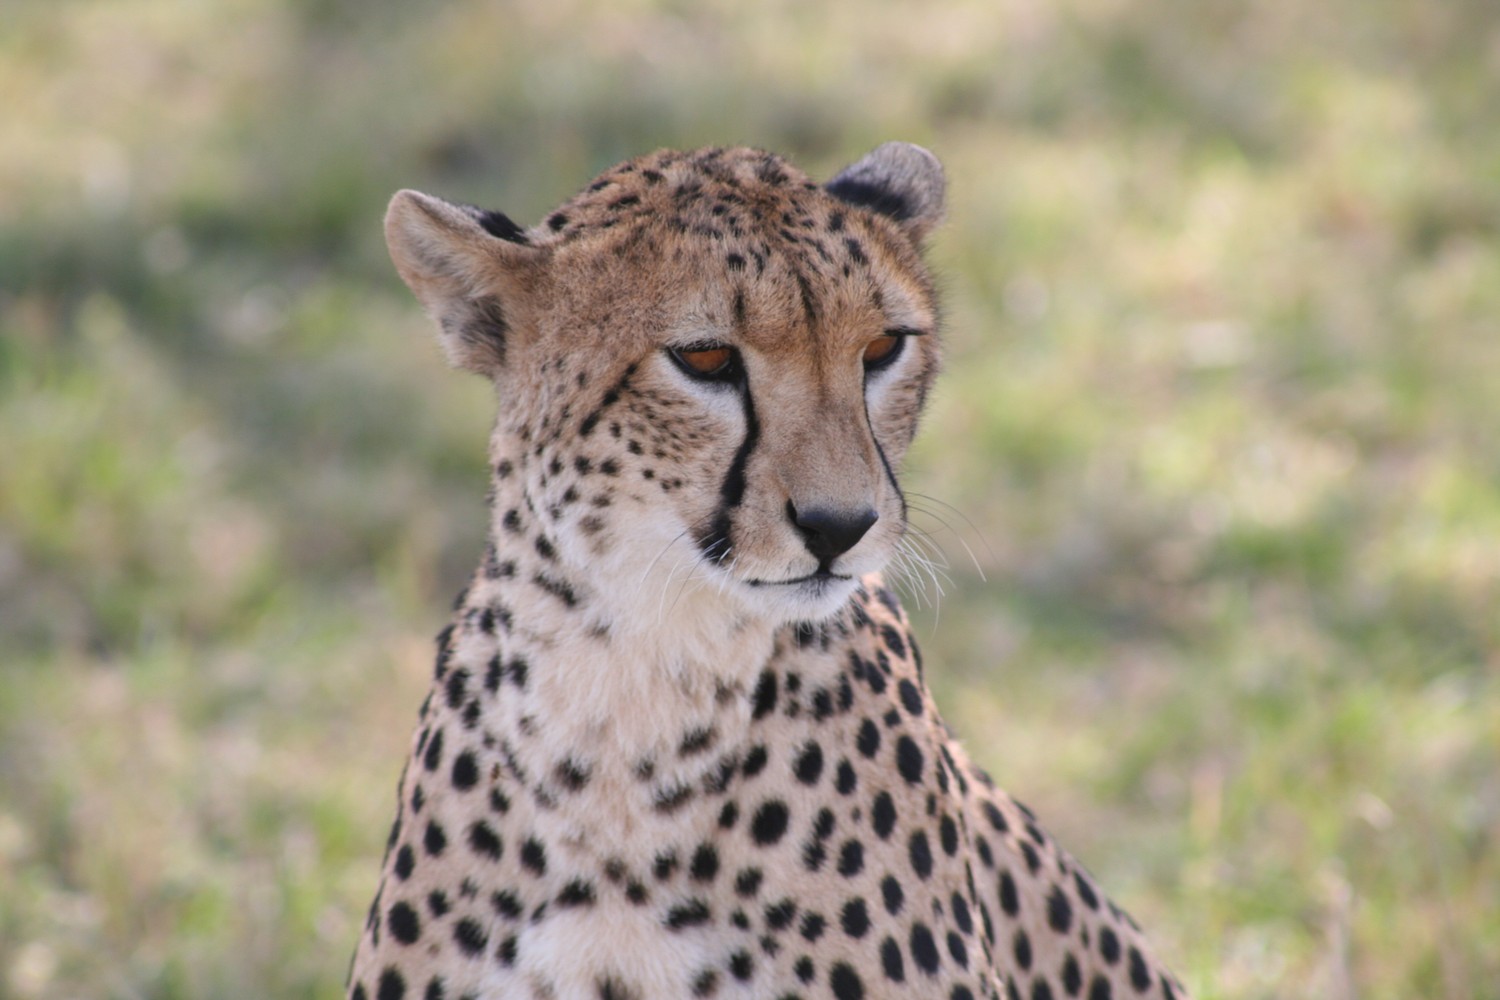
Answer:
(675, 745)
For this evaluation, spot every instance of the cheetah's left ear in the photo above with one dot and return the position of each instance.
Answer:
(473, 271)
(898, 180)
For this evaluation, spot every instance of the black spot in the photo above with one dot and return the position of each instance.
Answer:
(1109, 945)
(920, 853)
(891, 961)
(406, 860)
(910, 696)
(578, 892)
(780, 916)
(957, 949)
(769, 823)
(755, 760)
(456, 685)
(851, 858)
(484, 841)
(883, 815)
(1140, 976)
(437, 903)
(1099, 988)
(1072, 978)
(534, 856)
(705, 864)
(465, 771)
(924, 949)
(665, 865)
(868, 740)
(435, 989)
(845, 982)
(765, 694)
(689, 914)
(1085, 891)
(890, 891)
(470, 936)
(948, 833)
(961, 916)
(556, 221)
(434, 839)
(854, 918)
(403, 923)
(669, 800)
(809, 763)
(434, 754)
(747, 882)
(696, 741)
(893, 641)
(572, 774)
(1040, 990)
(1059, 912)
(392, 985)
(846, 779)
(706, 983)
(557, 589)
(612, 989)
(1010, 901)
(506, 904)
(735, 261)
(741, 966)
(909, 759)
(812, 926)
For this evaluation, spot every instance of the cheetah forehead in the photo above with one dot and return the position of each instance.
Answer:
(740, 238)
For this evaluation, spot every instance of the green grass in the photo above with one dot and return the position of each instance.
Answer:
(1221, 429)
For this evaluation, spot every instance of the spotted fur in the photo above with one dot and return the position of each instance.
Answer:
(678, 742)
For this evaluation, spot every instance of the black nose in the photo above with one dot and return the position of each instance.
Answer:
(828, 534)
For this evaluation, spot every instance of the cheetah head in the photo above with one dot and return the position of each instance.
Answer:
(708, 367)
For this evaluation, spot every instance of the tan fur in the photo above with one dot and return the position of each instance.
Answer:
(677, 745)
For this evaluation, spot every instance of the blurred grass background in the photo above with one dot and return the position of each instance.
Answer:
(1221, 426)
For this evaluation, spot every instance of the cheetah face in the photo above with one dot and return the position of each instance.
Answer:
(709, 366)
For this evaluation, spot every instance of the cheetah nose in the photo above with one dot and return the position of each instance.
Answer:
(828, 534)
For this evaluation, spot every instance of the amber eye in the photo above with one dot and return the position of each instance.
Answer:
(709, 361)
(882, 350)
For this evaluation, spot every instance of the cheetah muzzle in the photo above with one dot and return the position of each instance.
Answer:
(678, 742)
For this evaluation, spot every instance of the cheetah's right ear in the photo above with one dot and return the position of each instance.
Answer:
(898, 180)
(470, 269)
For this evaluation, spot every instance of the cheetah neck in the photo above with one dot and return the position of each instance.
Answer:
(596, 677)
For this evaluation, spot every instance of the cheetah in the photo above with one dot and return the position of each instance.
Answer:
(678, 742)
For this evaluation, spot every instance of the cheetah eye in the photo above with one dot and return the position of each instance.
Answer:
(883, 350)
(710, 362)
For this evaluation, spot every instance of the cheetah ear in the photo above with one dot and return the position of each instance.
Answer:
(470, 269)
(897, 180)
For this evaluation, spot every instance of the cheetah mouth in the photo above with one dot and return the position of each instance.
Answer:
(820, 579)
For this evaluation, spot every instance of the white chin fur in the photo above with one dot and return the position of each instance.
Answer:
(810, 601)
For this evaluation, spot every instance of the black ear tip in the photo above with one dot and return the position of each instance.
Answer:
(899, 180)
(500, 226)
